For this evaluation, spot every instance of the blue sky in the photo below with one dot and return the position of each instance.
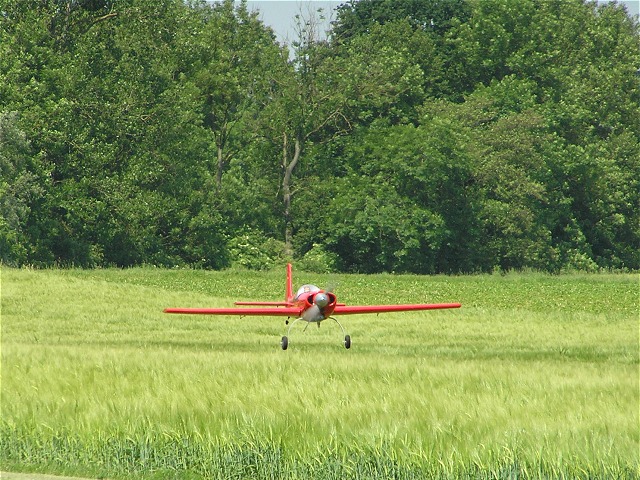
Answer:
(280, 14)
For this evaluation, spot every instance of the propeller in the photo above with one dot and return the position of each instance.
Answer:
(315, 313)
(330, 287)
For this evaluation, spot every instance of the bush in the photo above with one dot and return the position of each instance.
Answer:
(253, 250)
(318, 260)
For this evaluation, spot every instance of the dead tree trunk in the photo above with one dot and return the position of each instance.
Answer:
(288, 165)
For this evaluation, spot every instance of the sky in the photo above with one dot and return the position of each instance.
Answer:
(280, 14)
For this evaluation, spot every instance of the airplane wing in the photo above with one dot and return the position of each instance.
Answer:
(273, 311)
(265, 304)
(392, 308)
(340, 309)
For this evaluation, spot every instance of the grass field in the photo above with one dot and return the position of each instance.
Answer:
(536, 376)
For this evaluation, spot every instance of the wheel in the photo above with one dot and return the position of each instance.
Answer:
(284, 342)
(347, 342)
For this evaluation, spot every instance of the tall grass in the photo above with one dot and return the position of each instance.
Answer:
(535, 376)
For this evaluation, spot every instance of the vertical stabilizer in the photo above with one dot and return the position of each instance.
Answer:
(288, 295)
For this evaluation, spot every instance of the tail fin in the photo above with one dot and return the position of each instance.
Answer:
(288, 295)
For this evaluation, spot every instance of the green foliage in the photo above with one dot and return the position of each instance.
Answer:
(318, 260)
(19, 186)
(373, 224)
(377, 76)
(252, 250)
(355, 18)
(421, 136)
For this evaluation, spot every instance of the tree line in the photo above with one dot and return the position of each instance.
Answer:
(419, 136)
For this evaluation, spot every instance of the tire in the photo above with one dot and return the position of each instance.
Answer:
(284, 343)
(347, 342)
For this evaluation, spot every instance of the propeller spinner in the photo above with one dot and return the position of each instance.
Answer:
(321, 299)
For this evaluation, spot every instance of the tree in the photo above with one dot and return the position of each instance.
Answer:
(357, 17)
(580, 61)
(122, 136)
(19, 188)
(403, 200)
(602, 182)
(431, 36)
(320, 96)
(224, 52)
(421, 136)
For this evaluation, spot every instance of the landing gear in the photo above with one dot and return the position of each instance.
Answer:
(347, 338)
(284, 343)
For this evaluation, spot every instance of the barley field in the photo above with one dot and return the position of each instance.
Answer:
(536, 376)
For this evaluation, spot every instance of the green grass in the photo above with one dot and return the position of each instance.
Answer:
(535, 377)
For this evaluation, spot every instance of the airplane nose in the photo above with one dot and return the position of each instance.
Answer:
(321, 300)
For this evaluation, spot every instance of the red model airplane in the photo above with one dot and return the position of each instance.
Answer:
(310, 304)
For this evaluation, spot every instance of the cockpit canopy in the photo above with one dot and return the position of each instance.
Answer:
(305, 290)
